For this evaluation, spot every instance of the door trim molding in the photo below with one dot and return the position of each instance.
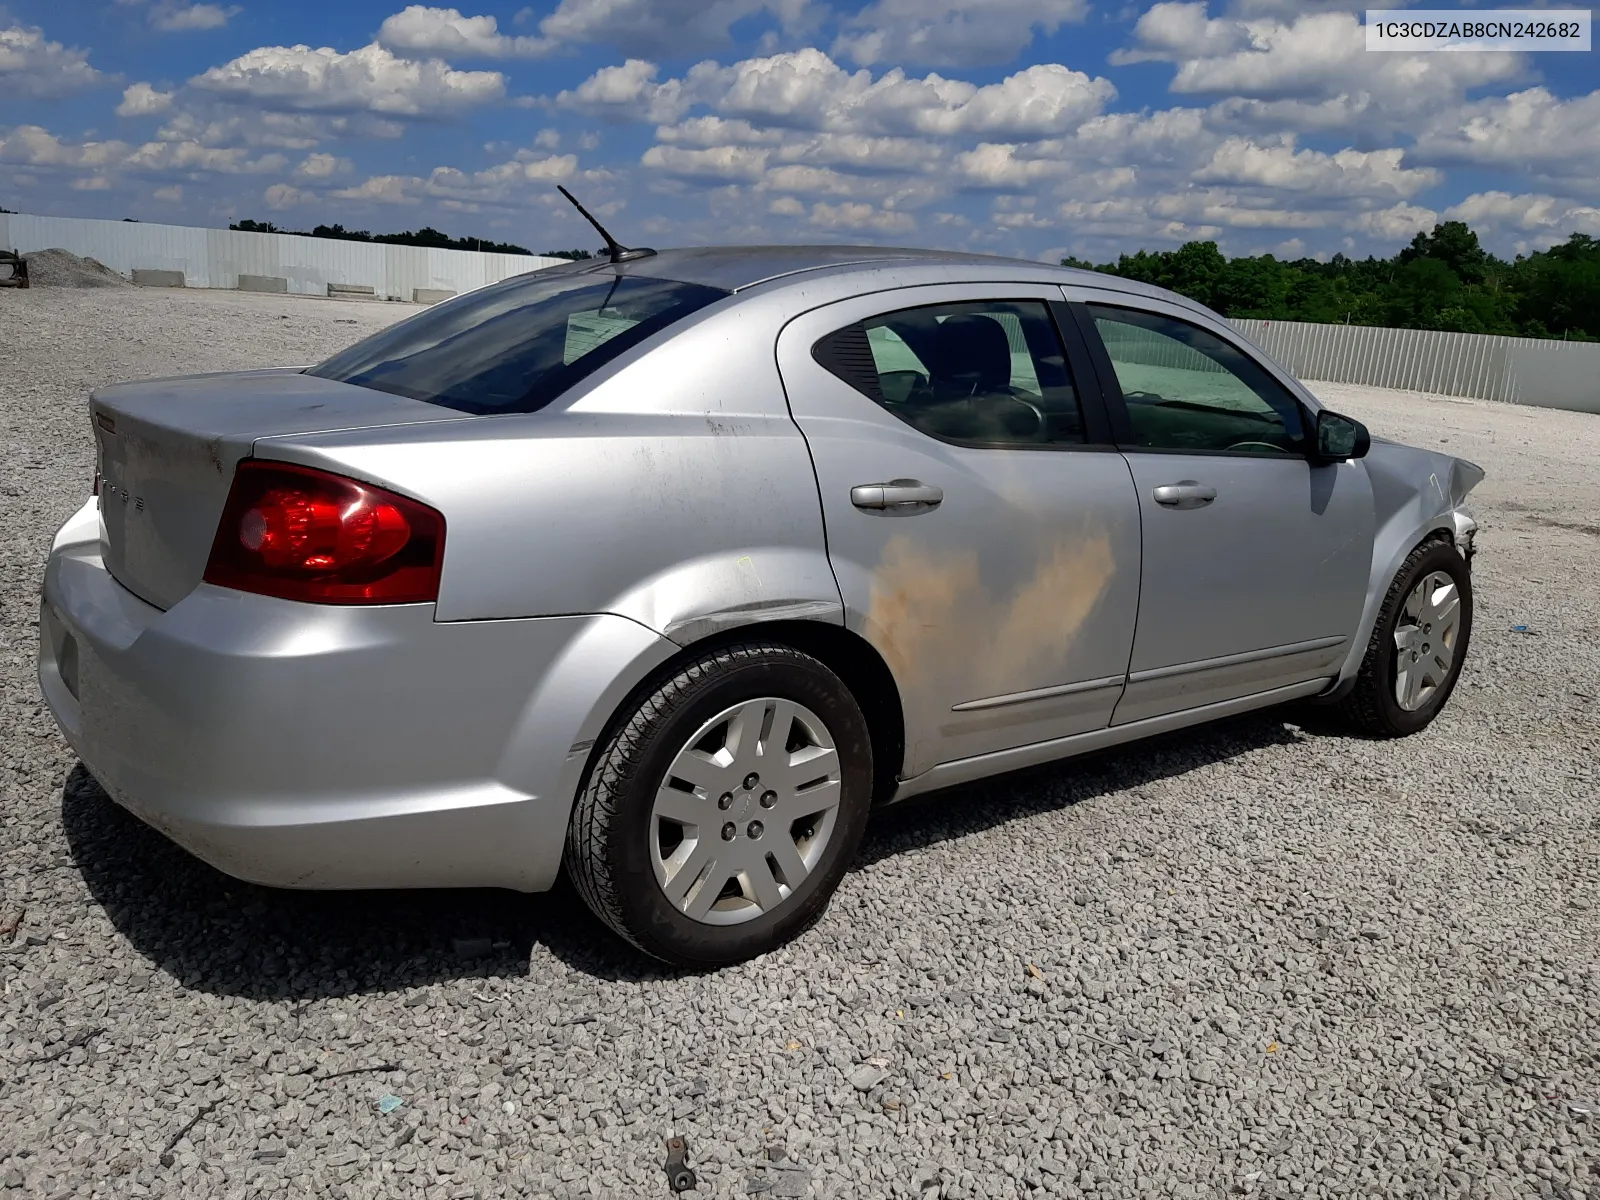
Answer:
(1234, 660)
(982, 766)
(1065, 689)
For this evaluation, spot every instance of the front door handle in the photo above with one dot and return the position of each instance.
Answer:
(1186, 493)
(897, 493)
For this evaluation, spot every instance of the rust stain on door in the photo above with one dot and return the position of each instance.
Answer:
(949, 638)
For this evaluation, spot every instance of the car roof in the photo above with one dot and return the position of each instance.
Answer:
(739, 268)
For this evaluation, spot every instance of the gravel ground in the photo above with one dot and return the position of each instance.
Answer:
(1261, 958)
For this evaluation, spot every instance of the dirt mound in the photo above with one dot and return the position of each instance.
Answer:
(62, 268)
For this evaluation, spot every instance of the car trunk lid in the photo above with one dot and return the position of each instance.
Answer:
(166, 451)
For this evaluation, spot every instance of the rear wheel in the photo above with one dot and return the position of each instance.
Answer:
(1418, 644)
(724, 809)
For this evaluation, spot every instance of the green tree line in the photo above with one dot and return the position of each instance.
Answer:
(426, 236)
(1442, 280)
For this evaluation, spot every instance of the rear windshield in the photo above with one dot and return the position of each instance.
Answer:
(515, 345)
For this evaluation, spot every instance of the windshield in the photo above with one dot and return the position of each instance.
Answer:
(515, 345)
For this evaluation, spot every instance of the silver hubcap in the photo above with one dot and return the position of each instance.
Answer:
(1425, 640)
(745, 811)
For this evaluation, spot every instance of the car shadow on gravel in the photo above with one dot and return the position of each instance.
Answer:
(971, 808)
(218, 935)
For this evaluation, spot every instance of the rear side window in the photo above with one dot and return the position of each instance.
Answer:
(991, 373)
(514, 346)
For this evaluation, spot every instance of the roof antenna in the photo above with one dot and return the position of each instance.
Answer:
(617, 251)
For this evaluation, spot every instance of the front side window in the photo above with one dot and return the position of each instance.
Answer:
(515, 345)
(1186, 389)
(991, 373)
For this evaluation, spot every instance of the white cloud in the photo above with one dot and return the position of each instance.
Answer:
(283, 195)
(371, 79)
(32, 67)
(858, 217)
(38, 147)
(381, 189)
(419, 30)
(177, 18)
(509, 184)
(1311, 70)
(950, 32)
(719, 163)
(90, 183)
(861, 151)
(224, 125)
(1533, 213)
(35, 146)
(1346, 173)
(660, 28)
(142, 100)
(806, 89)
(170, 194)
(547, 139)
(180, 16)
(1397, 223)
(162, 157)
(1532, 128)
(1021, 220)
(1291, 8)
(323, 166)
(996, 165)
(786, 206)
(1173, 137)
(627, 92)
(1220, 208)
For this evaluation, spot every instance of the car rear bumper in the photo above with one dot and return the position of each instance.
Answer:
(321, 746)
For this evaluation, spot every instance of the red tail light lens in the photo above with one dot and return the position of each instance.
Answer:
(303, 534)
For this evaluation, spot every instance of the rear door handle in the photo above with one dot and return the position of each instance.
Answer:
(1186, 493)
(897, 493)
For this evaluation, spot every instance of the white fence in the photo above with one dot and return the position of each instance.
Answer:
(216, 258)
(1547, 374)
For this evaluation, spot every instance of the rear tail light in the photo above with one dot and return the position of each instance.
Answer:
(302, 534)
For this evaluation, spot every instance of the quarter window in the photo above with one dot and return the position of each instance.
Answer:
(1186, 389)
(991, 373)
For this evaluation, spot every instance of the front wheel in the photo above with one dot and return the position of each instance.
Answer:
(1418, 644)
(723, 810)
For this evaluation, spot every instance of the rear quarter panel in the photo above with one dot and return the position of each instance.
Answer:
(675, 491)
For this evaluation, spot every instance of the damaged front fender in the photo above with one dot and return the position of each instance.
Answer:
(1416, 494)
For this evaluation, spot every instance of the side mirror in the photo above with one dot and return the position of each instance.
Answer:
(1340, 438)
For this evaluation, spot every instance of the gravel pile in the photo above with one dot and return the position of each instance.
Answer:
(62, 268)
(1259, 959)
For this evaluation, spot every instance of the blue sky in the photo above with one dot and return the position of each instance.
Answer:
(1026, 127)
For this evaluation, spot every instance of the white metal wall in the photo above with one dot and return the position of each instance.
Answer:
(1547, 374)
(217, 257)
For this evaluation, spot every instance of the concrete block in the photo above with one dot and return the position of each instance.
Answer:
(145, 277)
(263, 283)
(353, 291)
(430, 295)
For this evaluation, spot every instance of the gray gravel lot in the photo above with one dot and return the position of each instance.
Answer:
(1261, 958)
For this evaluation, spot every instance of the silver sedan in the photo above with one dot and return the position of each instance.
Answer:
(667, 570)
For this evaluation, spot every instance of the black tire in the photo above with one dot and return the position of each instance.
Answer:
(1371, 706)
(608, 848)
